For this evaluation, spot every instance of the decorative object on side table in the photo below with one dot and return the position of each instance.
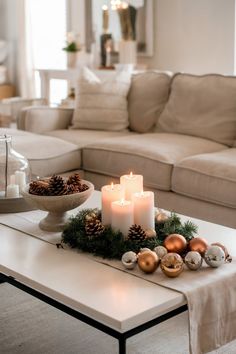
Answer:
(57, 195)
(72, 47)
(14, 174)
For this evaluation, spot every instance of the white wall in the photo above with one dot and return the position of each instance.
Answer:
(194, 36)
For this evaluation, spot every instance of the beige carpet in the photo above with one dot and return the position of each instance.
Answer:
(29, 326)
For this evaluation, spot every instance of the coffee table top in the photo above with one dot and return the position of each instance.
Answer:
(113, 297)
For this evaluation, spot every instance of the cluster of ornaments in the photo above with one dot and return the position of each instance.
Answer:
(176, 252)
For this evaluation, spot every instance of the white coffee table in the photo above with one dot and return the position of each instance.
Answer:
(108, 299)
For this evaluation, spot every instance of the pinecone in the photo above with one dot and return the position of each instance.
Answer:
(83, 187)
(94, 228)
(71, 189)
(57, 186)
(38, 188)
(136, 233)
(74, 179)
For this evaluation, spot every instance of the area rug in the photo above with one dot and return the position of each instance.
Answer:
(30, 326)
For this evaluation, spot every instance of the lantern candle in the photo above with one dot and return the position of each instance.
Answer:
(110, 193)
(20, 179)
(132, 184)
(144, 209)
(12, 191)
(122, 216)
(105, 18)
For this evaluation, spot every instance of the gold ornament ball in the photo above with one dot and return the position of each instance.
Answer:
(161, 217)
(144, 249)
(172, 265)
(198, 244)
(175, 243)
(150, 233)
(148, 261)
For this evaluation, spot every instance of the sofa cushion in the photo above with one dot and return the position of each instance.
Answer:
(152, 155)
(147, 97)
(83, 137)
(203, 106)
(46, 155)
(209, 177)
(100, 104)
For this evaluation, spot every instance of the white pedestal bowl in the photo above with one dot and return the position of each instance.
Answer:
(57, 206)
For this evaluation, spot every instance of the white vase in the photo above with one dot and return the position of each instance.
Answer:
(71, 60)
(128, 52)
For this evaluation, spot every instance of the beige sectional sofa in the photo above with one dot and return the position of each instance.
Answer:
(183, 141)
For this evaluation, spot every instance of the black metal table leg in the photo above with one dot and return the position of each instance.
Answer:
(122, 345)
(1, 280)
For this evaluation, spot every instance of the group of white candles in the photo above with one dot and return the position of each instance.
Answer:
(126, 204)
(17, 183)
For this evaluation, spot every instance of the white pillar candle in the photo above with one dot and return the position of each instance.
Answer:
(132, 184)
(110, 193)
(20, 179)
(12, 191)
(12, 179)
(144, 209)
(122, 216)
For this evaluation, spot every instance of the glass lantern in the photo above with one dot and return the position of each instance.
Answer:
(14, 170)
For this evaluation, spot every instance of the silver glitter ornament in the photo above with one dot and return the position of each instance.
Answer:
(214, 256)
(161, 251)
(193, 260)
(129, 260)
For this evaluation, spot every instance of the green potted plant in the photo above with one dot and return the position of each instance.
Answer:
(72, 47)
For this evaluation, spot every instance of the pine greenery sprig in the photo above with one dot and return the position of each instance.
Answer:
(111, 243)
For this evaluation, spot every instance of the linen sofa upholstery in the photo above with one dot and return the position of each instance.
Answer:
(40, 119)
(83, 137)
(152, 155)
(210, 177)
(186, 156)
(148, 95)
(46, 155)
(203, 106)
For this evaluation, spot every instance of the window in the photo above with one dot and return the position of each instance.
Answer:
(48, 31)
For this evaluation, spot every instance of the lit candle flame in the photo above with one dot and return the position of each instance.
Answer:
(131, 174)
(104, 7)
(112, 185)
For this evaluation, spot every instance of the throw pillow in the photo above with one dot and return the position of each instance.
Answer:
(101, 105)
(203, 106)
(147, 97)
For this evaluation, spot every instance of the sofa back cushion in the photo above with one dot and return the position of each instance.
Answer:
(101, 105)
(147, 97)
(203, 106)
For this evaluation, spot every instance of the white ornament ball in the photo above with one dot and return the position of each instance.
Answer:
(129, 260)
(161, 251)
(150, 233)
(193, 260)
(214, 256)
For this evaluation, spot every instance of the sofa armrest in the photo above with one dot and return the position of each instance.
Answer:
(42, 119)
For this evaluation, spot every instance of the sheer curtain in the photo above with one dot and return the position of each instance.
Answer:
(42, 33)
(25, 66)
